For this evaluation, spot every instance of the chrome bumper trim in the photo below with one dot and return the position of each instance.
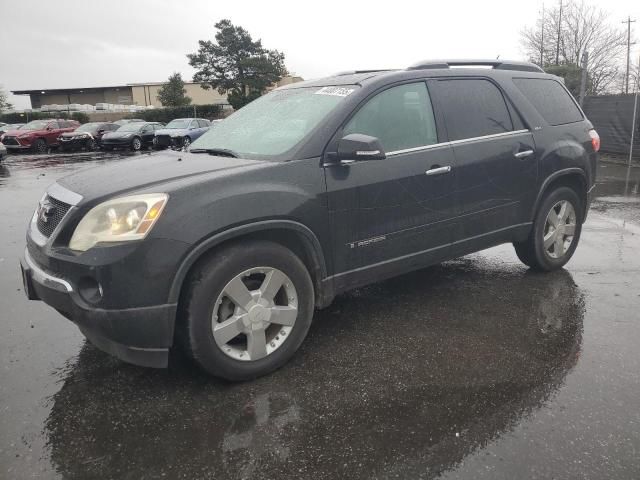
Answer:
(44, 278)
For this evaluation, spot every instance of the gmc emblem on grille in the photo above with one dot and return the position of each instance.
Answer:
(46, 211)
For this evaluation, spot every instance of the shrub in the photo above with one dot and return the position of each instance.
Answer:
(165, 115)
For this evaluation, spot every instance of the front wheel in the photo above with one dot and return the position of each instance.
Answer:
(555, 233)
(40, 146)
(186, 141)
(136, 144)
(246, 310)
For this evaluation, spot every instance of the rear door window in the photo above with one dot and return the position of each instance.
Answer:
(400, 117)
(550, 99)
(472, 108)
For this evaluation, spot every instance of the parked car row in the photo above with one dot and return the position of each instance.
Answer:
(40, 135)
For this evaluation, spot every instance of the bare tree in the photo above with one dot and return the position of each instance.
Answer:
(583, 27)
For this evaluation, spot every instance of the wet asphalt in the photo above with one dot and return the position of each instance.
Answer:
(473, 369)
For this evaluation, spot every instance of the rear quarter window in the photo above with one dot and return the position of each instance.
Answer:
(550, 99)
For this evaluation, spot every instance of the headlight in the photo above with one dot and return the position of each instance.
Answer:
(119, 220)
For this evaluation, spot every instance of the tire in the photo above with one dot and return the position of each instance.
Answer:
(206, 304)
(136, 144)
(186, 141)
(39, 146)
(90, 145)
(560, 244)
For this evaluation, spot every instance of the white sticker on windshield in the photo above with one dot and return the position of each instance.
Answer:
(335, 91)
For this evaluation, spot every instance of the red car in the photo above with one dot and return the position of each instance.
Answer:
(38, 135)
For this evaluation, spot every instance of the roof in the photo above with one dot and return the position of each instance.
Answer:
(427, 68)
(41, 91)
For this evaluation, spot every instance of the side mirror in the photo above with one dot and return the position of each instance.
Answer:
(49, 127)
(357, 147)
(101, 131)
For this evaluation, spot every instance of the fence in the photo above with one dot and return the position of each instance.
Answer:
(612, 117)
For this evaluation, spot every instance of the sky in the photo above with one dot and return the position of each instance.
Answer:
(80, 43)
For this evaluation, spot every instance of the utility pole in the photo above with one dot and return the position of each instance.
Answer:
(559, 31)
(628, 21)
(633, 130)
(542, 39)
(583, 80)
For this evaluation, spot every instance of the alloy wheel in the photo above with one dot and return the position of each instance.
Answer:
(559, 229)
(255, 313)
(41, 146)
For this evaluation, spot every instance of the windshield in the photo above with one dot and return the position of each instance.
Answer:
(179, 123)
(274, 123)
(87, 127)
(131, 127)
(35, 125)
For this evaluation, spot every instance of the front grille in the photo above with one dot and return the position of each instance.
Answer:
(10, 141)
(164, 140)
(50, 212)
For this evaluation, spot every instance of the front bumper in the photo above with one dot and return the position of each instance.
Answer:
(141, 336)
(73, 143)
(169, 141)
(116, 142)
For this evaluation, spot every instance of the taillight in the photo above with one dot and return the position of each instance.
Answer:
(595, 140)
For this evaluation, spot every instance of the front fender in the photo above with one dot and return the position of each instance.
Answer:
(311, 242)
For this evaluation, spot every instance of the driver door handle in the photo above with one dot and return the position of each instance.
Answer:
(438, 170)
(523, 154)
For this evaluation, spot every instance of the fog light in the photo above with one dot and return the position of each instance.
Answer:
(90, 290)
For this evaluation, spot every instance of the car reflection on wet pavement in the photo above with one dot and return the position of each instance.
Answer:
(476, 368)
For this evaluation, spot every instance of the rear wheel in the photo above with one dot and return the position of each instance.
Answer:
(90, 144)
(246, 310)
(39, 146)
(555, 233)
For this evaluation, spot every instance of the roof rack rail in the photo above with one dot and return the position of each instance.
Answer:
(496, 64)
(355, 72)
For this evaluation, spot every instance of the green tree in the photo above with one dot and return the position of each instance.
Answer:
(572, 75)
(4, 104)
(173, 93)
(236, 65)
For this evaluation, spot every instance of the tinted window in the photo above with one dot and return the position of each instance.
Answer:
(473, 108)
(400, 117)
(203, 123)
(550, 99)
(54, 125)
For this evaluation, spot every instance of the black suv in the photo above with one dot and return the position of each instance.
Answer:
(313, 189)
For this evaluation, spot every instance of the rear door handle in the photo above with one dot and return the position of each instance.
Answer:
(523, 154)
(438, 170)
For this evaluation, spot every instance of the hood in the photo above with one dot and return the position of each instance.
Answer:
(74, 134)
(118, 134)
(174, 132)
(147, 171)
(16, 133)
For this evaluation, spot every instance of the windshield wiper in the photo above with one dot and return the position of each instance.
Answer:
(221, 152)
